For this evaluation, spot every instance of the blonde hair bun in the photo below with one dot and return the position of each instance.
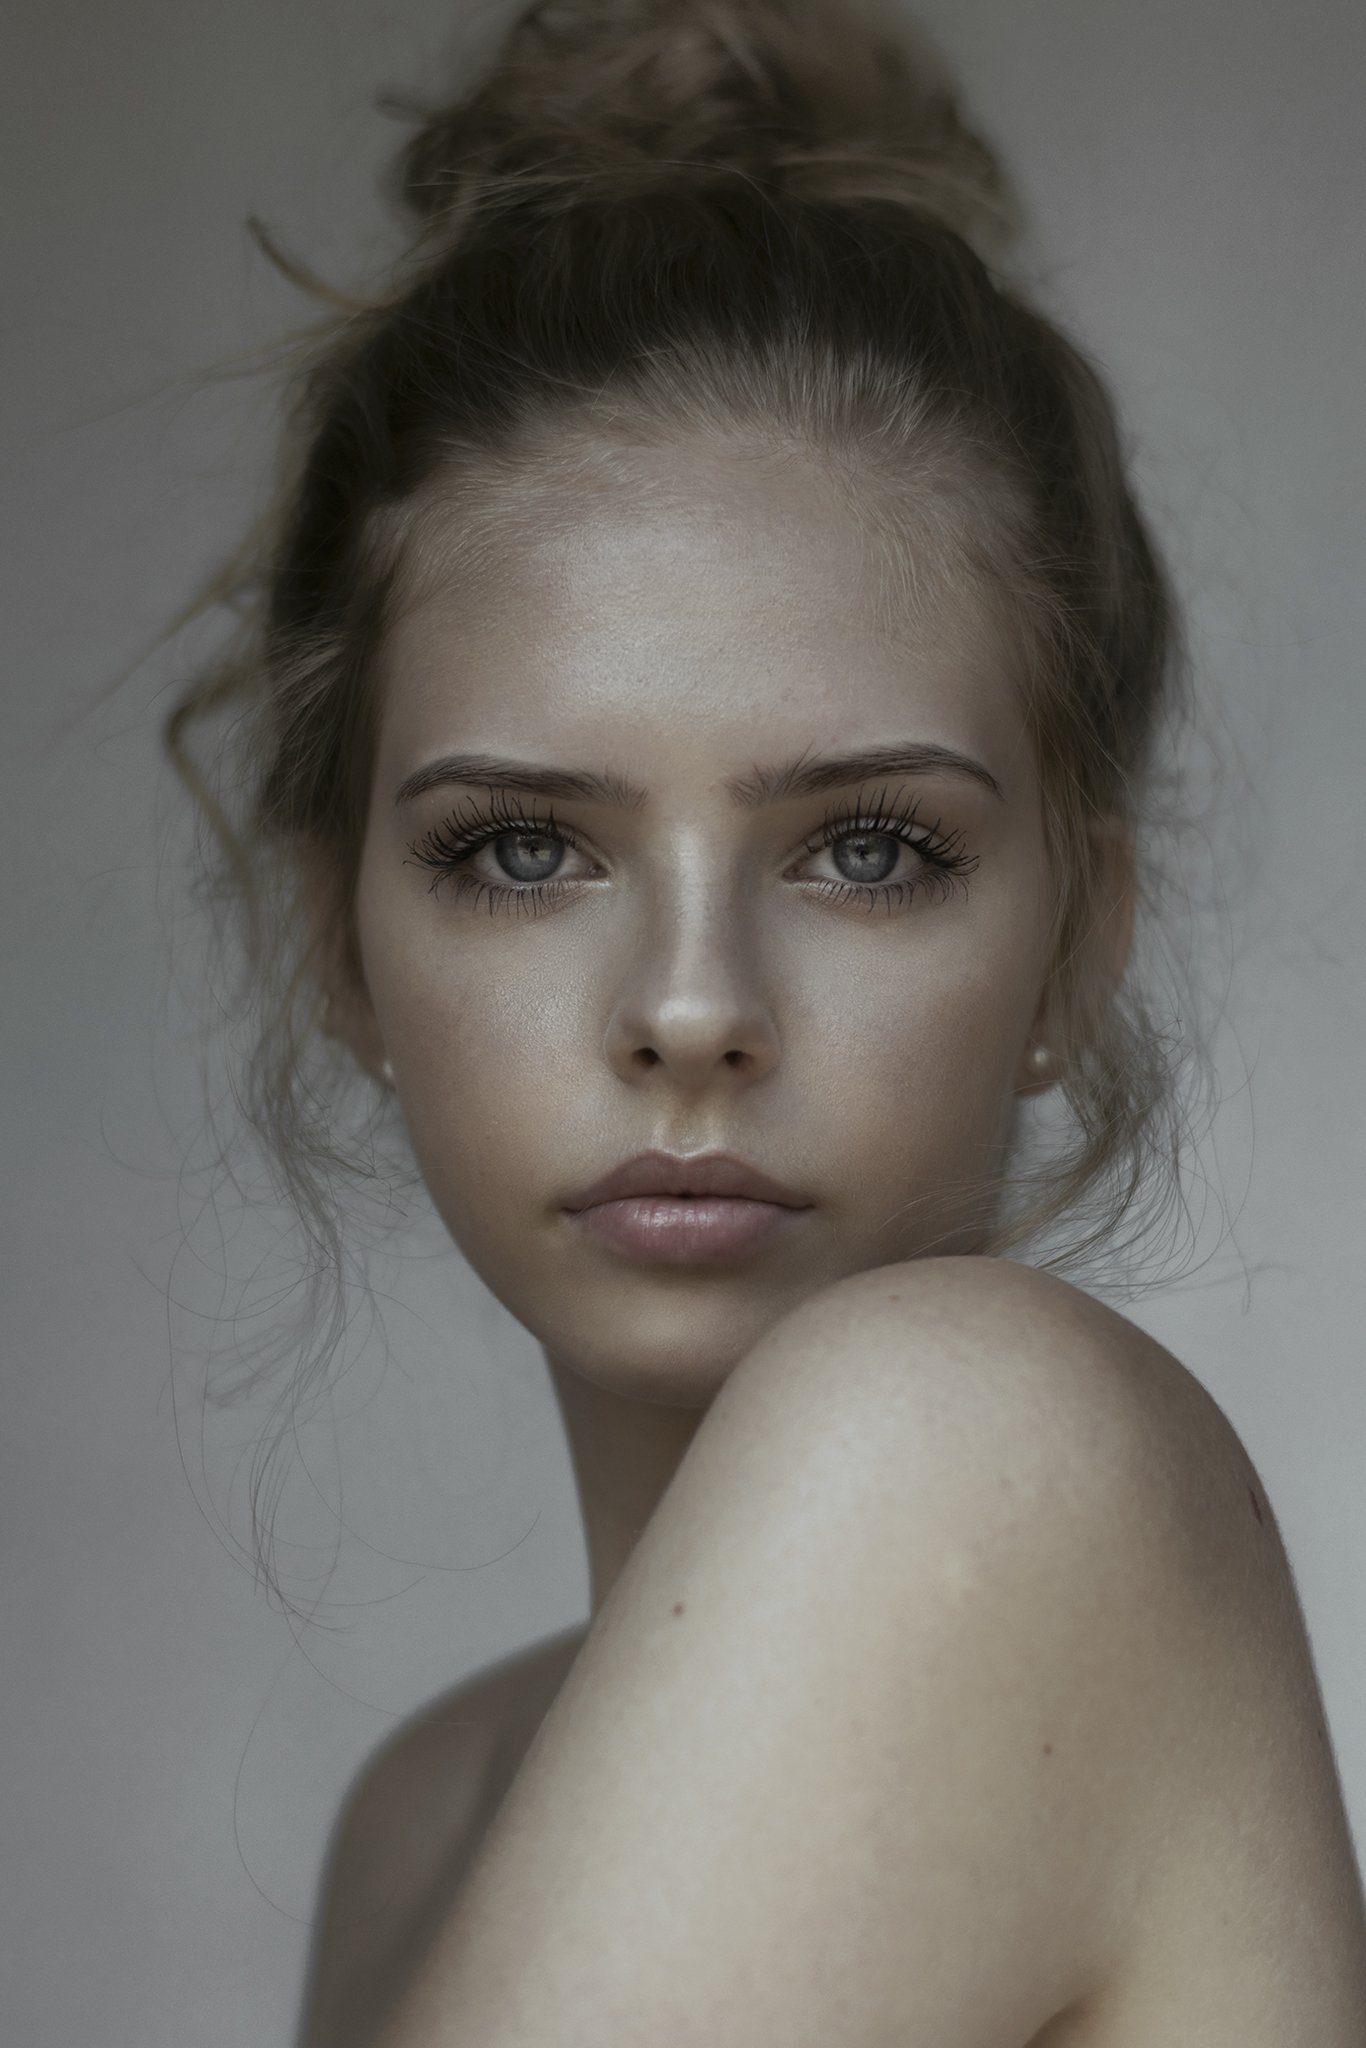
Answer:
(827, 99)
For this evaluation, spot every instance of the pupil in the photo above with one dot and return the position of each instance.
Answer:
(549, 849)
(874, 867)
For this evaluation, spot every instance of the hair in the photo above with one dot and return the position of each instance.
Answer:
(752, 221)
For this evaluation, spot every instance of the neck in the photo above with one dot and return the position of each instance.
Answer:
(625, 1451)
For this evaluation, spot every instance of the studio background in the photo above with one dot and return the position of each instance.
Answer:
(173, 1757)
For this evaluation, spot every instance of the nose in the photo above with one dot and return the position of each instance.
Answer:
(692, 1003)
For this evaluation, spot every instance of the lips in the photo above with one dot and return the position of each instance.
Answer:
(704, 1173)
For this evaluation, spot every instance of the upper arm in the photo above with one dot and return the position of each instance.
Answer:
(875, 1732)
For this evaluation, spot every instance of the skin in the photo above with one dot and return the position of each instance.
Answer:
(693, 615)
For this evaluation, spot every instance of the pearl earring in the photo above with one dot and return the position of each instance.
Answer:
(386, 1071)
(1040, 1060)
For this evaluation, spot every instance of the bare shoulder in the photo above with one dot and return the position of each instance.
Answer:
(1016, 1365)
(933, 1704)
(1007, 1406)
(970, 1312)
(1087, 1503)
(407, 1830)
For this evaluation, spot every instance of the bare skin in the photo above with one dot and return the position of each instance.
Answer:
(745, 1436)
(1131, 1822)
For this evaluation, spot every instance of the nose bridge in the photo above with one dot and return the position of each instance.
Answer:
(691, 993)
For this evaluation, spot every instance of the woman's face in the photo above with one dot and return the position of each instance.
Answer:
(692, 969)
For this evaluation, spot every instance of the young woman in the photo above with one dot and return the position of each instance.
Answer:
(700, 702)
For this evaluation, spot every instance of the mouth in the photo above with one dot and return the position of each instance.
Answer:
(680, 1229)
(693, 1178)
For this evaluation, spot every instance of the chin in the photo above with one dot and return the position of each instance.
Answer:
(672, 1353)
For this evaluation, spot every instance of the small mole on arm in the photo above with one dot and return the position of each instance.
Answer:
(1048, 1749)
(678, 1607)
(1251, 1494)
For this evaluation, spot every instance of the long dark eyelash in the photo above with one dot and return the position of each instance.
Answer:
(944, 851)
(447, 849)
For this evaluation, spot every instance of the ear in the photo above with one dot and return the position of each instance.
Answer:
(347, 1013)
(1108, 945)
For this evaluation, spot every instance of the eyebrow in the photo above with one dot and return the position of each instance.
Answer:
(801, 777)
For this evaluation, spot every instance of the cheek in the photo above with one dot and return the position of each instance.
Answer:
(922, 1047)
(491, 1059)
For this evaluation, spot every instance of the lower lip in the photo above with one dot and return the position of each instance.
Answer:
(679, 1229)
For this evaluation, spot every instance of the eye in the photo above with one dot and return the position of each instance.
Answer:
(870, 846)
(884, 853)
(528, 849)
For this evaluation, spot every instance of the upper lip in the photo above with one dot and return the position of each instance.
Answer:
(700, 1173)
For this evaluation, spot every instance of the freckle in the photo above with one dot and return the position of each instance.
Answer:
(1255, 1509)
(678, 1608)
(1048, 1749)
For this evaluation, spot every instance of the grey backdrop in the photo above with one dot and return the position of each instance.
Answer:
(172, 1757)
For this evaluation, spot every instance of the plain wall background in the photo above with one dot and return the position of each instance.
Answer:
(173, 1757)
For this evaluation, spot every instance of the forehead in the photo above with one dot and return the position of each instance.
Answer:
(720, 596)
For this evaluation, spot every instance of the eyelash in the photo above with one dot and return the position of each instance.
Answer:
(447, 850)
